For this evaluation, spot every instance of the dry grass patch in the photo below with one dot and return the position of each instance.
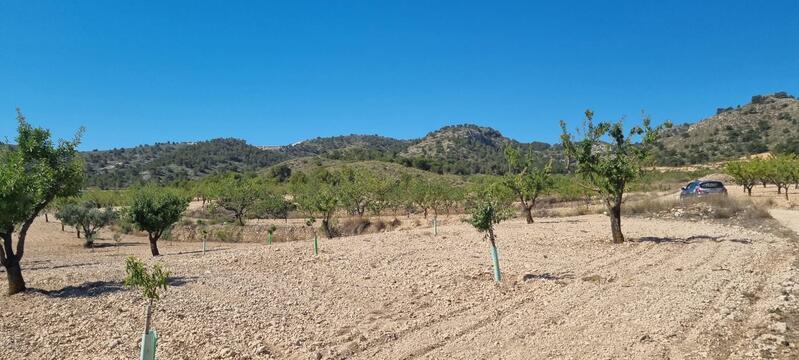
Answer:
(714, 207)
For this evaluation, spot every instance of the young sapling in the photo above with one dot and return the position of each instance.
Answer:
(489, 207)
(151, 282)
(270, 230)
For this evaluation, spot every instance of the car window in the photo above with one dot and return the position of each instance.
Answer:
(712, 185)
(690, 186)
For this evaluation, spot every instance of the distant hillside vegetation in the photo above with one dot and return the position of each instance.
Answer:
(468, 149)
(353, 147)
(768, 123)
(171, 162)
(460, 149)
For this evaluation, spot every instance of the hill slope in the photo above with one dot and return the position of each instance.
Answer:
(460, 149)
(468, 149)
(768, 123)
(170, 162)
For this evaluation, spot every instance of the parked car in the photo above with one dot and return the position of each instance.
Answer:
(699, 188)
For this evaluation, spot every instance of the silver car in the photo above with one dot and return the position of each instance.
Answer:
(698, 188)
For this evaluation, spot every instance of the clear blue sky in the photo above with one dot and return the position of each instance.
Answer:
(275, 72)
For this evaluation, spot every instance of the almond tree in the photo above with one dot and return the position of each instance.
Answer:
(155, 210)
(608, 160)
(239, 195)
(32, 174)
(526, 180)
(744, 173)
(781, 170)
(319, 197)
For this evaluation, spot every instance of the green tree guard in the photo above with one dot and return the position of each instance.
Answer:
(495, 258)
(149, 342)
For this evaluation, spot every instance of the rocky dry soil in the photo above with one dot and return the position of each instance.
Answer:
(675, 290)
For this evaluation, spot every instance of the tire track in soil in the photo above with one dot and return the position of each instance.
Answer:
(545, 325)
(617, 258)
(497, 314)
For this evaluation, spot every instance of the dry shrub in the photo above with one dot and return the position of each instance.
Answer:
(717, 207)
(361, 225)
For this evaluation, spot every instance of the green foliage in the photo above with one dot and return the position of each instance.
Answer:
(272, 205)
(167, 163)
(526, 180)
(745, 173)
(150, 281)
(154, 209)
(32, 174)
(319, 196)
(608, 168)
(107, 198)
(489, 205)
(239, 195)
(87, 216)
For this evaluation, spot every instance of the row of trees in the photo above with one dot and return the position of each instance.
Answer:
(780, 170)
(36, 171)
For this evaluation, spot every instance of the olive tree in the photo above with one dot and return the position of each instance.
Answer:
(155, 210)
(526, 180)
(88, 217)
(32, 174)
(608, 160)
(488, 206)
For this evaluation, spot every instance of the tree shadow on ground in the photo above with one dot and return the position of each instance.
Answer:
(2, 270)
(111, 245)
(691, 240)
(549, 276)
(194, 252)
(99, 288)
(547, 221)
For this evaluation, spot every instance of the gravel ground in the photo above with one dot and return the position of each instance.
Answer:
(675, 290)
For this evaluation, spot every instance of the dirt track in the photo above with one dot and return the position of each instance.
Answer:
(675, 290)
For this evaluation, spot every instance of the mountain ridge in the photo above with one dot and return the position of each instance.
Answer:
(768, 123)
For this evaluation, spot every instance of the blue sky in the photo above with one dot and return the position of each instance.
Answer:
(275, 72)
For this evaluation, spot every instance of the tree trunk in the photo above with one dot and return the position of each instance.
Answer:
(78, 230)
(749, 190)
(148, 316)
(327, 229)
(528, 213)
(240, 218)
(46, 219)
(16, 284)
(62, 226)
(615, 223)
(154, 245)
